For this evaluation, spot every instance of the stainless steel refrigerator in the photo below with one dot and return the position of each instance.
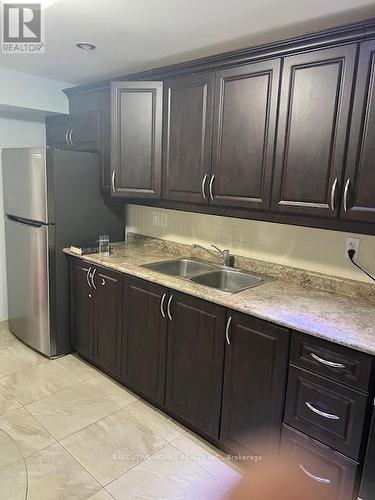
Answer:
(52, 199)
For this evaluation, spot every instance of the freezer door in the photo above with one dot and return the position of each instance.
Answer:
(28, 283)
(25, 183)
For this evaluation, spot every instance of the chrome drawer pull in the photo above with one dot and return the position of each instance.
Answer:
(92, 278)
(211, 187)
(162, 305)
(88, 276)
(169, 308)
(331, 416)
(333, 194)
(321, 480)
(327, 363)
(203, 186)
(227, 330)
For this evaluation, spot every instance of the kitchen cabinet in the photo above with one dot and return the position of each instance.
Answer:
(245, 110)
(195, 362)
(78, 132)
(136, 121)
(255, 374)
(187, 138)
(315, 102)
(144, 338)
(96, 315)
(359, 194)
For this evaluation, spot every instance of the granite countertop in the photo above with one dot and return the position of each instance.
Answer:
(345, 320)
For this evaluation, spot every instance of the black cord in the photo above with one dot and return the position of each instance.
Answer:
(351, 254)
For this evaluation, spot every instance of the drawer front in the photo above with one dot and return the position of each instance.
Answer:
(349, 367)
(331, 474)
(326, 411)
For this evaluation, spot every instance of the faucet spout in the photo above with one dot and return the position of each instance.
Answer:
(225, 257)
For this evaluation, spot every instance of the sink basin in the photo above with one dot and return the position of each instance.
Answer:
(184, 268)
(228, 280)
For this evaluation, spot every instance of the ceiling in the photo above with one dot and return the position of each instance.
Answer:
(136, 35)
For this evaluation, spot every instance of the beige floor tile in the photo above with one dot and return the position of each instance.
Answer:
(26, 431)
(72, 409)
(208, 457)
(9, 451)
(78, 367)
(7, 339)
(114, 391)
(112, 446)
(38, 382)
(55, 475)
(101, 495)
(168, 475)
(13, 482)
(7, 401)
(18, 357)
(154, 419)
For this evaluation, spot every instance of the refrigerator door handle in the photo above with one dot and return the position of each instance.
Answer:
(27, 222)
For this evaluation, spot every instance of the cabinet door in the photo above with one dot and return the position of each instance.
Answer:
(244, 134)
(255, 374)
(359, 192)
(145, 338)
(108, 319)
(57, 131)
(136, 139)
(195, 362)
(187, 138)
(84, 131)
(314, 107)
(82, 309)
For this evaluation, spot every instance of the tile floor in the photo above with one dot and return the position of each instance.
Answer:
(85, 437)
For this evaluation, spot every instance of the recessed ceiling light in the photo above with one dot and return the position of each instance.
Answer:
(86, 46)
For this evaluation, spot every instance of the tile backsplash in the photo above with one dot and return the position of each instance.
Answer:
(316, 250)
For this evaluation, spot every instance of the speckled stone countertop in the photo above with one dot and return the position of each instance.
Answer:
(348, 321)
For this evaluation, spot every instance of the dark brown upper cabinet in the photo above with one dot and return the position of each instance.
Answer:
(78, 131)
(255, 376)
(195, 361)
(144, 345)
(136, 139)
(245, 114)
(359, 185)
(314, 109)
(187, 138)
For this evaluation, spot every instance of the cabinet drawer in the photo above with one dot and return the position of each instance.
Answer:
(347, 366)
(326, 411)
(332, 474)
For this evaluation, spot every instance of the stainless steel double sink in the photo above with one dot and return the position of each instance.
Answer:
(221, 278)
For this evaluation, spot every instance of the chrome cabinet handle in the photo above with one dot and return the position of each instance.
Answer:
(346, 190)
(333, 194)
(67, 136)
(92, 278)
(162, 300)
(321, 480)
(330, 416)
(103, 281)
(114, 181)
(90, 296)
(203, 186)
(169, 307)
(325, 362)
(71, 136)
(87, 277)
(210, 188)
(227, 329)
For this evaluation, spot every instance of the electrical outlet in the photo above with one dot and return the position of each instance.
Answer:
(352, 244)
(156, 218)
(163, 219)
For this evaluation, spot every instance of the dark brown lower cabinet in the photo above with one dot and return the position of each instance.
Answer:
(96, 315)
(330, 474)
(144, 338)
(82, 309)
(195, 362)
(256, 362)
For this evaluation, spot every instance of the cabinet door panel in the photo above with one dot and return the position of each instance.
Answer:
(108, 319)
(57, 128)
(136, 139)
(359, 200)
(314, 108)
(82, 310)
(245, 125)
(187, 137)
(195, 362)
(145, 339)
(255, 374)
(84, 134)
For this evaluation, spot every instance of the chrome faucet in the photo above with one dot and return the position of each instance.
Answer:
(225, 257)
